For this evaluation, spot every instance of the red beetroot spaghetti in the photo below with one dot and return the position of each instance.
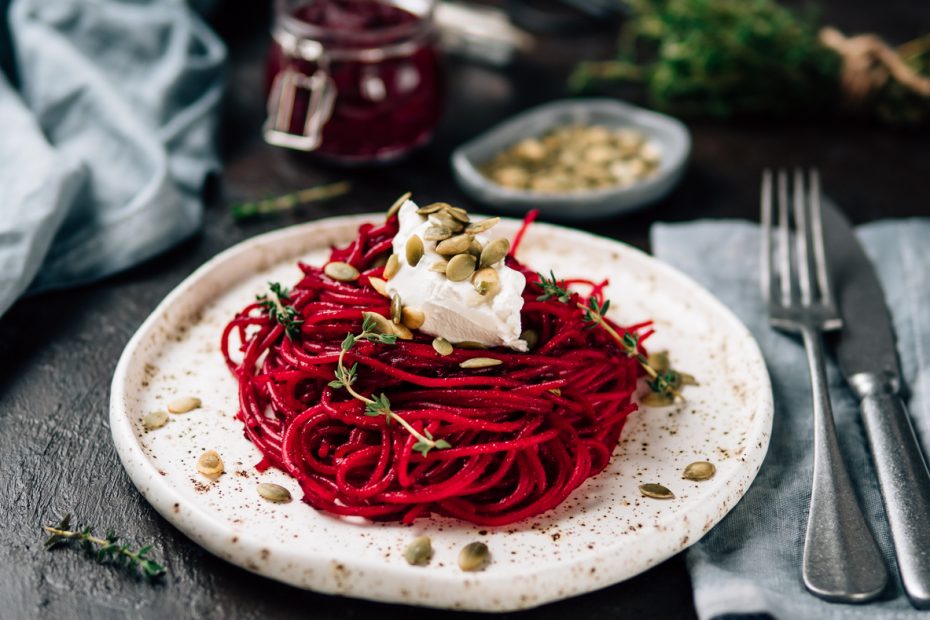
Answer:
(521, 435)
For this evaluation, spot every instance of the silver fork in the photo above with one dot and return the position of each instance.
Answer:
(841, 560)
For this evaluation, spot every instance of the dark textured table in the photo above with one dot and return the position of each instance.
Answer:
(59, 350)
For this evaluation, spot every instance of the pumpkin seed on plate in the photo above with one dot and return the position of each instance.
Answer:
(698, 471)
(486, 281)
(494, 251)
(402, 331)
(419, 551)
(530, 337)
(343, 272)
(447, 221)
(469, 344)
(382, 325)
(439, 266)
(431, 208)
(480, 362)
(442, 346)
(412, 317)
(453, 245)
(391, 267)
(210, 464)
(458, 214)
(414, 250)
(460, 267)
(437, 233)
(154, 419)
(379, 285)
(474, 556)
(656, 399)
(475, 248)
(397, 205)
(274, 492)
(396, 308)
(184, 404)
(655, 491)
(482, 226)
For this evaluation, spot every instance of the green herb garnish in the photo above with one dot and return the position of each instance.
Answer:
(104, 550)
(245, 210)
(378, 405)
(664, 381)
(279, 309)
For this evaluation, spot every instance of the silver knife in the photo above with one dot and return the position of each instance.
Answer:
(866, 352)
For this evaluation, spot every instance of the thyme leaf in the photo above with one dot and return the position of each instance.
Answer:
(279, 309)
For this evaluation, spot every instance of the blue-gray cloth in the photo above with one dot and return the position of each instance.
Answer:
(751, 561)
(107, 142)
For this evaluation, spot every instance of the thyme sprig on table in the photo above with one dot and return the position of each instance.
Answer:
(267, 206)
(279, 309)
(664, 381)
(378, 405)
(107, 549)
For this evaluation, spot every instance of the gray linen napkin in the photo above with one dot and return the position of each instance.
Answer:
(105, 146)
(750, 562)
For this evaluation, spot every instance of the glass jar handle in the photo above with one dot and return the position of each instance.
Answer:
(281, 100)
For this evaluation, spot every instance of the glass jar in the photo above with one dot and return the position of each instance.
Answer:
(354, 81)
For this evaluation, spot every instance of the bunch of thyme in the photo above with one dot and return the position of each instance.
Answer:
(378, 405)
(278, 307)
(107, 549)
(664, 381)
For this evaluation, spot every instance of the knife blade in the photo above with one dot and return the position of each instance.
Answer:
(868, 358)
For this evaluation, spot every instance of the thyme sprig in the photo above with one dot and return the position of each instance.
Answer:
(279, 309)
(378, 404)
(267, 206)
(664, 381)
(107, 549)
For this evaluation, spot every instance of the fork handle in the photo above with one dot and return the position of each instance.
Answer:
(841, 560)
(905, 485)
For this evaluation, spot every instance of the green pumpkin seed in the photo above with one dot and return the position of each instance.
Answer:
(402, 332)
(343, 272)
(469, 344)
(475, 248)
(655, 491)
(437, 233)
(460, 267)
(454, 245)
(396, 308)
(274, 492)
(379, 285)
(412, 318)
(419, 551)
(474, 556)
(154, 419)
(659, 361)
(381, 324)
(530, 337)
(655, 399)
(698, 471)
(439, 266)
(414, 250)
(210, 464)
(494, 251)
(431, 208)
(482, 226)
(391, 267)
(442, 346)
(480, 362)
(184, 404)
(397, 205)
(447, 221)
(487, 282)
(458, 214)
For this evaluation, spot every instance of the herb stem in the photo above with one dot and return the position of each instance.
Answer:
(286, 202)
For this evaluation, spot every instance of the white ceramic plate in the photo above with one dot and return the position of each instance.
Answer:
(604, 533)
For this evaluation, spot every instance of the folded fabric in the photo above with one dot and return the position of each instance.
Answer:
(750, 563)
(108, 142)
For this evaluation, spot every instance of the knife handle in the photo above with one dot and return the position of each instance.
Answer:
(905, 485)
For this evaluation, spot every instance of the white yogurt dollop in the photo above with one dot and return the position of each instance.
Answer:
(455, 310)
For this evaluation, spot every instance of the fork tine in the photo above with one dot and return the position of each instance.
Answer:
(820, 257)
(803, 235)
(769, 289)
(784, 238)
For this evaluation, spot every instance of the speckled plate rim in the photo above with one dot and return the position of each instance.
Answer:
(706, 509)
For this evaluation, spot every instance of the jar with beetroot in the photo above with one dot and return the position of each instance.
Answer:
(353, 81)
